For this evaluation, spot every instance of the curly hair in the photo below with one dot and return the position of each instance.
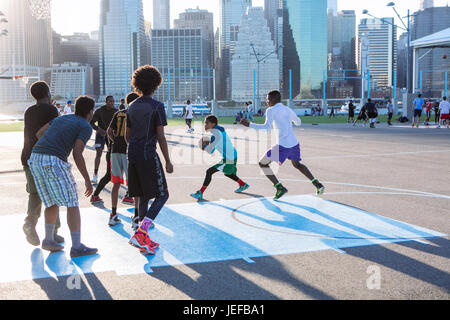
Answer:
(146, 80)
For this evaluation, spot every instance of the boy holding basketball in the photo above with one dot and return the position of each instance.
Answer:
(222, 143)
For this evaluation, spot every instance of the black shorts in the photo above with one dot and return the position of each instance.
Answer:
(362, 116)
(146, 178)
(189, 122)
(351, 114)
(100, 141)
(417, 113)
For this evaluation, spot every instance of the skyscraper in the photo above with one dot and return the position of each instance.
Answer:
(382, 49)
(161, 14)
(25, 51)
(253, 31)
(425, 4)
(332, 7)
(183, 53)
(123, 46)
(231, 12)
(308, 21)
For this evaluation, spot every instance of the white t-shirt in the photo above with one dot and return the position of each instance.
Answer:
(189, 111)
(67, 110)
(282, 118)
(444, 107)
(250, 108)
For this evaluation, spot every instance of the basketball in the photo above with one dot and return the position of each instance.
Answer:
(203, 142)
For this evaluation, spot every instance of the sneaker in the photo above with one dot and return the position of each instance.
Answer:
(94, 179)
(134, 223)
(96, 199)
(243, 188)
(154, 245)
(51, 246)
(438, 127)
(30, 232)
(128, 200)
(82, 251)
(138, 240)
(198, 195)
(319, 187)
(114, 220)
(281, 191)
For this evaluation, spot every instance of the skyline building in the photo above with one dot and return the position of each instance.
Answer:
(425, 4)
(332, 7)
(161, 14)
(183, 52)
(122, 45)
(71, 80)
(254, 30)
(79, 48)
(382, 50)
(26, 50)
(231, 12)
(309, 24)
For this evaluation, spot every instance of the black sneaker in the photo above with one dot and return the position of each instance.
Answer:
(82, 251)
(319, 187)
(51, 246)
(58, 238)
(281, 191)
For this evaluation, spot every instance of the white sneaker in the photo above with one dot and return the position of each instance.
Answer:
(113, 221)
(94, 179)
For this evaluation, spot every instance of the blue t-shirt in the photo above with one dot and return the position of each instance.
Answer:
(418, 103)
(143, 117)
(60, 138)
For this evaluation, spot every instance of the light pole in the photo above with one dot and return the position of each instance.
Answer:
(259, 60)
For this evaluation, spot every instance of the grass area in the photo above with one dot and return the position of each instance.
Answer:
(18, 125)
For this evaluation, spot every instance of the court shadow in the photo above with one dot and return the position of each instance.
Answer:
(65, 282)
(215, 255)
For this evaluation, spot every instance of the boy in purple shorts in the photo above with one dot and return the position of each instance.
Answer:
(288, 147)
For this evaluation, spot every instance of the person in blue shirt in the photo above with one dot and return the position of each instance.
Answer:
(419, 103)
(221, 143)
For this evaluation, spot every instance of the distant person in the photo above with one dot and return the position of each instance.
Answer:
(362, 116)
(351, 112)
(59, 108)
(444, 110)
(122, 104)
(250, 111)
(35, 118)
(429, 106)
(100, 122)
(146, 119)
(436, 113)
(390, 108)
(372, 112)
(417, 110)
(68, 108)
(189, 114)
(332, 113)
(53, 175)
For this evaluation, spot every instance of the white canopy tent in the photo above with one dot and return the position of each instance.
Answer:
(439, 39)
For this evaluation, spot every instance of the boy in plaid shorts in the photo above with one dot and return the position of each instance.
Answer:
(52, 172)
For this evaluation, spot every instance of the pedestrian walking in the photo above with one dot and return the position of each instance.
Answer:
(418, 105)
(390, 109)
(444, 110)
(428, 105)
(189, 114)
(351, 112)
(250, 111)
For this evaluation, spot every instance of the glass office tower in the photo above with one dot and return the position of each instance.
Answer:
(309, 24)
(122, 45)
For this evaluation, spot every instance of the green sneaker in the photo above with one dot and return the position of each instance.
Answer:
(319, 187)
(281, 191)
(198, 195)
(243, 188)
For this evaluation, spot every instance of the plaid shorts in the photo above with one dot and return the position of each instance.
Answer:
(54, 181)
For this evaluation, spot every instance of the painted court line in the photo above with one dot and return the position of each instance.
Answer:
(204, 232)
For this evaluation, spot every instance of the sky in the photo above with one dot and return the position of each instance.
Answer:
(69, 16)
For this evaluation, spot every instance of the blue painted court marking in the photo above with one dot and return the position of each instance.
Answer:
(203, 232)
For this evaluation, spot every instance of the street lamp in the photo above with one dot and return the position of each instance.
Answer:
(259, 60)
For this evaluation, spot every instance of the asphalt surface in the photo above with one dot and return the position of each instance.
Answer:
(396, 172)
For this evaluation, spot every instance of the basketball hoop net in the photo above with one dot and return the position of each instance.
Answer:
(40, 9)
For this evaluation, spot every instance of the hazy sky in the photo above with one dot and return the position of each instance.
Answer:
(69, 16)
